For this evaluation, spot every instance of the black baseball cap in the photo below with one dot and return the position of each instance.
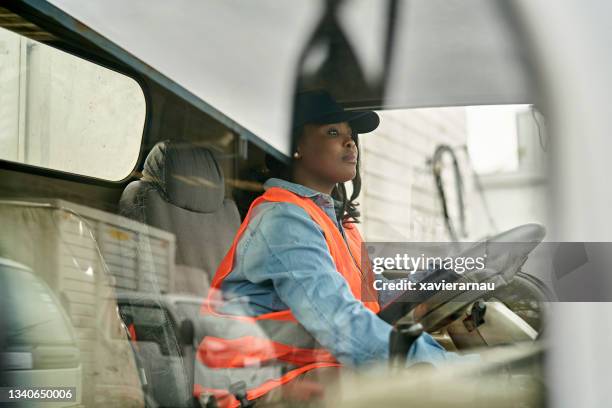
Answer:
(319, 107)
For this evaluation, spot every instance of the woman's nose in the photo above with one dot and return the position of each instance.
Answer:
(349, 141)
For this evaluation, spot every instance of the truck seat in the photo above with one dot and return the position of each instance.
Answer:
(182, 191)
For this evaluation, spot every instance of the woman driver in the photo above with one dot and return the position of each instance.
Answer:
(295, 299)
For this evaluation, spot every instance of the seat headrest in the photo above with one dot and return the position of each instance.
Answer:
(186, 175)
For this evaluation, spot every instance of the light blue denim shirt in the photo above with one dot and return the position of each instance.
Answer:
(282, 262)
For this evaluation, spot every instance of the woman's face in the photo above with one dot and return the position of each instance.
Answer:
(328, 153)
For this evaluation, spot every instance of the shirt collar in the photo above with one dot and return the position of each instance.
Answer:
(322, 199)
(294, 188)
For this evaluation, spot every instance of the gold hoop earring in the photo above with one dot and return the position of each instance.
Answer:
(296, 155)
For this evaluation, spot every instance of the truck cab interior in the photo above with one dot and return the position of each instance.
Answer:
(122, 184)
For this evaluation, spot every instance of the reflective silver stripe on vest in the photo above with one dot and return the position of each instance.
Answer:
(285, 332)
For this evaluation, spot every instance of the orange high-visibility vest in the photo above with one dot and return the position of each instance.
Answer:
(271, 349)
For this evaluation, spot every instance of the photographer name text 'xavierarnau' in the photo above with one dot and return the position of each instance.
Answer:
(405, 284)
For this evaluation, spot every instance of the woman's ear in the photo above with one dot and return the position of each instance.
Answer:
(296, 140)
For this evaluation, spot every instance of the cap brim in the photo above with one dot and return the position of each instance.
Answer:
(360, 121)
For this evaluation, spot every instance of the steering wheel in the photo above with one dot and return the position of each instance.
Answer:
(505, 255)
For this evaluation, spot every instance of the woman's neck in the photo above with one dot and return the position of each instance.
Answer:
(313, 183)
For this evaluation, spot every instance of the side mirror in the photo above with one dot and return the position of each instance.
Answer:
(186, 332)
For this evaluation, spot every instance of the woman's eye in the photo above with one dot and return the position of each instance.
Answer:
(333, 132)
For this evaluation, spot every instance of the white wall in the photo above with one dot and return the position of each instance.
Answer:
(399, 201)
(11, 83)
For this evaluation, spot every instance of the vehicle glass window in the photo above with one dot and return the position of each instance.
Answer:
(37, 317)
(139, 257)
(61, 112)
(501, 154)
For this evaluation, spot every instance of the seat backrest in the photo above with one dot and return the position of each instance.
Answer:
(182, 191)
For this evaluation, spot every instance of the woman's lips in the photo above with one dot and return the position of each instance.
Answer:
(350, 158)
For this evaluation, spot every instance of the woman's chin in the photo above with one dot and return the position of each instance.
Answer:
(347, 176)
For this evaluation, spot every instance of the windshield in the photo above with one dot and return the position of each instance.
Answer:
(321, 172)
